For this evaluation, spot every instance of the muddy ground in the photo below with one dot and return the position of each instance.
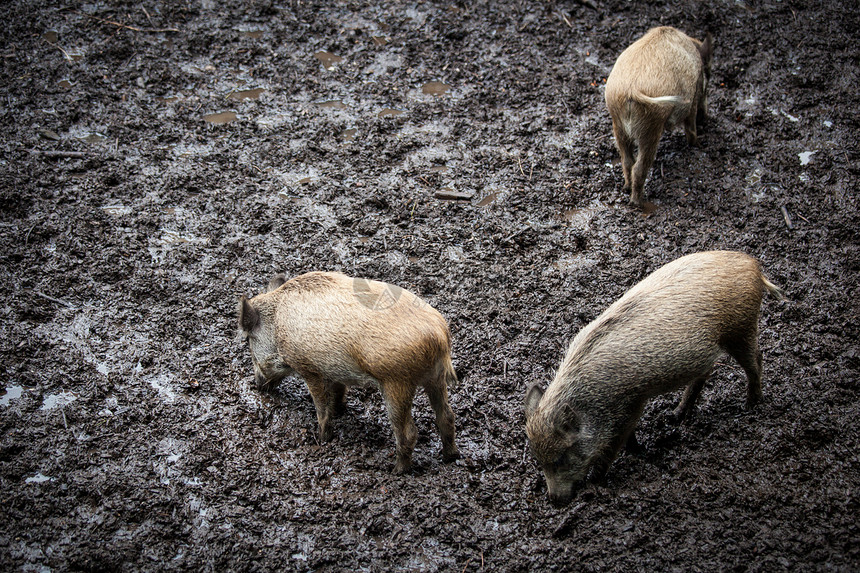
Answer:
(133, 218)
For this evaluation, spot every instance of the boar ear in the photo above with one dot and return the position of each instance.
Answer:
(249, 318)
(276, 281)
(533, 397)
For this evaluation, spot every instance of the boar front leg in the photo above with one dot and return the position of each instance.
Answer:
(337, 405)
(398, 398)
(323, 404)
(691, 394)
(622, 429)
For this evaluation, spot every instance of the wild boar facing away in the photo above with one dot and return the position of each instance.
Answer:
(336, 332)
(656, 83)
(663, 334)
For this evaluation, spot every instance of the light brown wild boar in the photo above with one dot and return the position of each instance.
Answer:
(336, 332)
(663, 334)
(657, 82)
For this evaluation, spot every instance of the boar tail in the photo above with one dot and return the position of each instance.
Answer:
(772, 289)
(450, 374)
(662, 100)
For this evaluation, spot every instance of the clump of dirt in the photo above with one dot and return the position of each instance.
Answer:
(160, 161)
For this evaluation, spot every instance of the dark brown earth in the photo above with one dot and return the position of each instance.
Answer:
(131, 436)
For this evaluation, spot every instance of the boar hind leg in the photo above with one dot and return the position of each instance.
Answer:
(625, 149)
(748, 355)
(398, 402)
(644, 161)
(691, 394)
(437, 392)
(690, 127)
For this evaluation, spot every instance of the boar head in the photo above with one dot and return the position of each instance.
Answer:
(259, 331)
(555, 441)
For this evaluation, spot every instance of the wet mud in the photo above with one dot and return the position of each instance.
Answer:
(159, 160)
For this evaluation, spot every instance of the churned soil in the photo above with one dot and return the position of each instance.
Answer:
(161, 159)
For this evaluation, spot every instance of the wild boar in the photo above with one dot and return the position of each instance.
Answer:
(663, 334)
(337, 331)
(657, 82)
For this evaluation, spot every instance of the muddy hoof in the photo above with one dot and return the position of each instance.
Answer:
(402, 468)
(339, 410)
(448, 457)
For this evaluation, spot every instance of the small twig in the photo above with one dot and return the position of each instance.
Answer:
(467, 564)
(50, 153)
(520, 163)
(566, 21)
(56, 300)
(27, 236)
(802, 217)
(132, 28)
(65, 53)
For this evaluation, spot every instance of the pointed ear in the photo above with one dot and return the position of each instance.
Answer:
(533, 397)
(571, 429)
(276, 281)
(707, 50)
(249, 318)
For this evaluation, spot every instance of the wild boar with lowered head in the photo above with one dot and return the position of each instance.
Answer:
(336, 332)
(657, 82)
(663, 334)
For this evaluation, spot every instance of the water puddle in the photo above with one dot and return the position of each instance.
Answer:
(438, 169)
(805, 157)
(49, 134)
(176, 238)
(648, 209)
(58, 400)
(220, 118)
(11, 393)
(581, 217)
(167, 99)
(246, 94)
(348, 134)
(448, 194)
(332, 104)
(38, 478)
(379, 40)
(117, 210)
(253, 34)
(51, 36)
(65, 84)
(94, 137)
(328, 60)
(389, 112)
(488, 199)
(754, 176)
(435, 88)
